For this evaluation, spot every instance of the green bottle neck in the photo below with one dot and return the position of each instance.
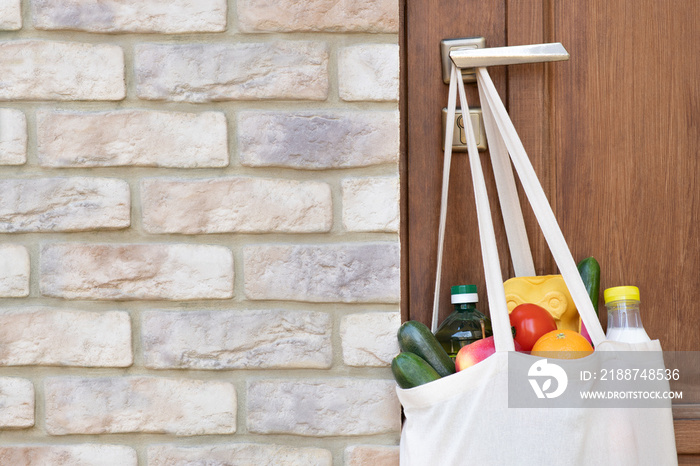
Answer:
(465, 307)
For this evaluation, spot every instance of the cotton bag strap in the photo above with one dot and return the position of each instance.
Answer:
(500, 322)
(513, 221)
(540, 206)
(521, 257)
(449, 134)
(502, 136)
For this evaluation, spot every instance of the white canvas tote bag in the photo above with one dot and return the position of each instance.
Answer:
(465, 418)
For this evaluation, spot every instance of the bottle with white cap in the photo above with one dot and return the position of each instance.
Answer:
(466, 324)
(624, 319)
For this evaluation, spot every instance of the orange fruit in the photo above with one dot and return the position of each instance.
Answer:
(562, 344)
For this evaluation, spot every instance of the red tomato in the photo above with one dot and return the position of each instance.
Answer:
(530, 322)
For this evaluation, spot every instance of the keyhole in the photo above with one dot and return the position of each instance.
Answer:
(462, 134)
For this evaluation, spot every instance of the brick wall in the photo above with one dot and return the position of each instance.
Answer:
(199, 255)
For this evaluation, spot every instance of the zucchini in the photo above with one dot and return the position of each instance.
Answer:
(411, 370)
(415, 337)
(589, 269)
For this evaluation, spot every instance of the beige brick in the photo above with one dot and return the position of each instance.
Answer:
(318, 140)
(295, 70)
(241, 205)
(371, 204)
(45, 70)
(323, 407)
(14, 271)
(16, 405)
(136, 271)
(132, 137)
(369, 339)
(369, 72)
(68, 455)
(10, 15)
(81, 405)
(365, 272)
(236, 339)
(43, 336)
(239, 454)
(64, 204)
(13, 136)
(319, 15)
(165, 16)
(376, 455)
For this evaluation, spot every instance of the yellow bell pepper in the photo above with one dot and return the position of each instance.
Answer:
(547, 291)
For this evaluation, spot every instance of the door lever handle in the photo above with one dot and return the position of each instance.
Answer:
(512, 55)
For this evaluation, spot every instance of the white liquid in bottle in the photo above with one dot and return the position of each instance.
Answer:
(627, 335)
(624, 319)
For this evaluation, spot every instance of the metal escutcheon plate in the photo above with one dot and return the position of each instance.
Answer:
(459, 140)
(448, 45)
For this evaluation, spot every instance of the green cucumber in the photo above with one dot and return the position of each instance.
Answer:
(411, 370)
(589, 269)
(415, 337)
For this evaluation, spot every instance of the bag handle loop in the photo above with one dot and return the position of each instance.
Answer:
(502, 137)
(540, 206)
(449, 134)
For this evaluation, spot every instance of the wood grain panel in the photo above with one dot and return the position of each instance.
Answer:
(427, 23)
(528, 106)
(403, 165)
(625, 122)
(613, 135)
(687, 437)
(688, 460)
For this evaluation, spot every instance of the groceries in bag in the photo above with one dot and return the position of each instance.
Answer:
(411, 370)
(465, 324)
(562, 344)
(624, 319)
(476, 352)
(529, 322)
(422, 358)
(589, 269)
(547, 291)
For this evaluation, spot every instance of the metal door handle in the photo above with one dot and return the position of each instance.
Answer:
(513, 55)
(469, 54)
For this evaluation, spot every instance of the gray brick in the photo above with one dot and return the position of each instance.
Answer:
(132, 137)
(14, 271)
(164, 16)
(236, 339)
(323, 407)
(295, 70)
(64, 204)
(376, 455)
(369, 72)
(371, 204)
(136, 271)
(235, 204)
(377, 16)
(81, 405)
(68, 455)
(369, 338)
(239, 454)
(10, 15)
(61, 71)
(13, 136)
(318, 140)
(365, 272)
(16, 405)
(44, 336)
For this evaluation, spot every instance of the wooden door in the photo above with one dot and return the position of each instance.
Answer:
(613, 134)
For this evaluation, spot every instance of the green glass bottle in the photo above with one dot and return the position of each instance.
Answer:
(466, 324)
